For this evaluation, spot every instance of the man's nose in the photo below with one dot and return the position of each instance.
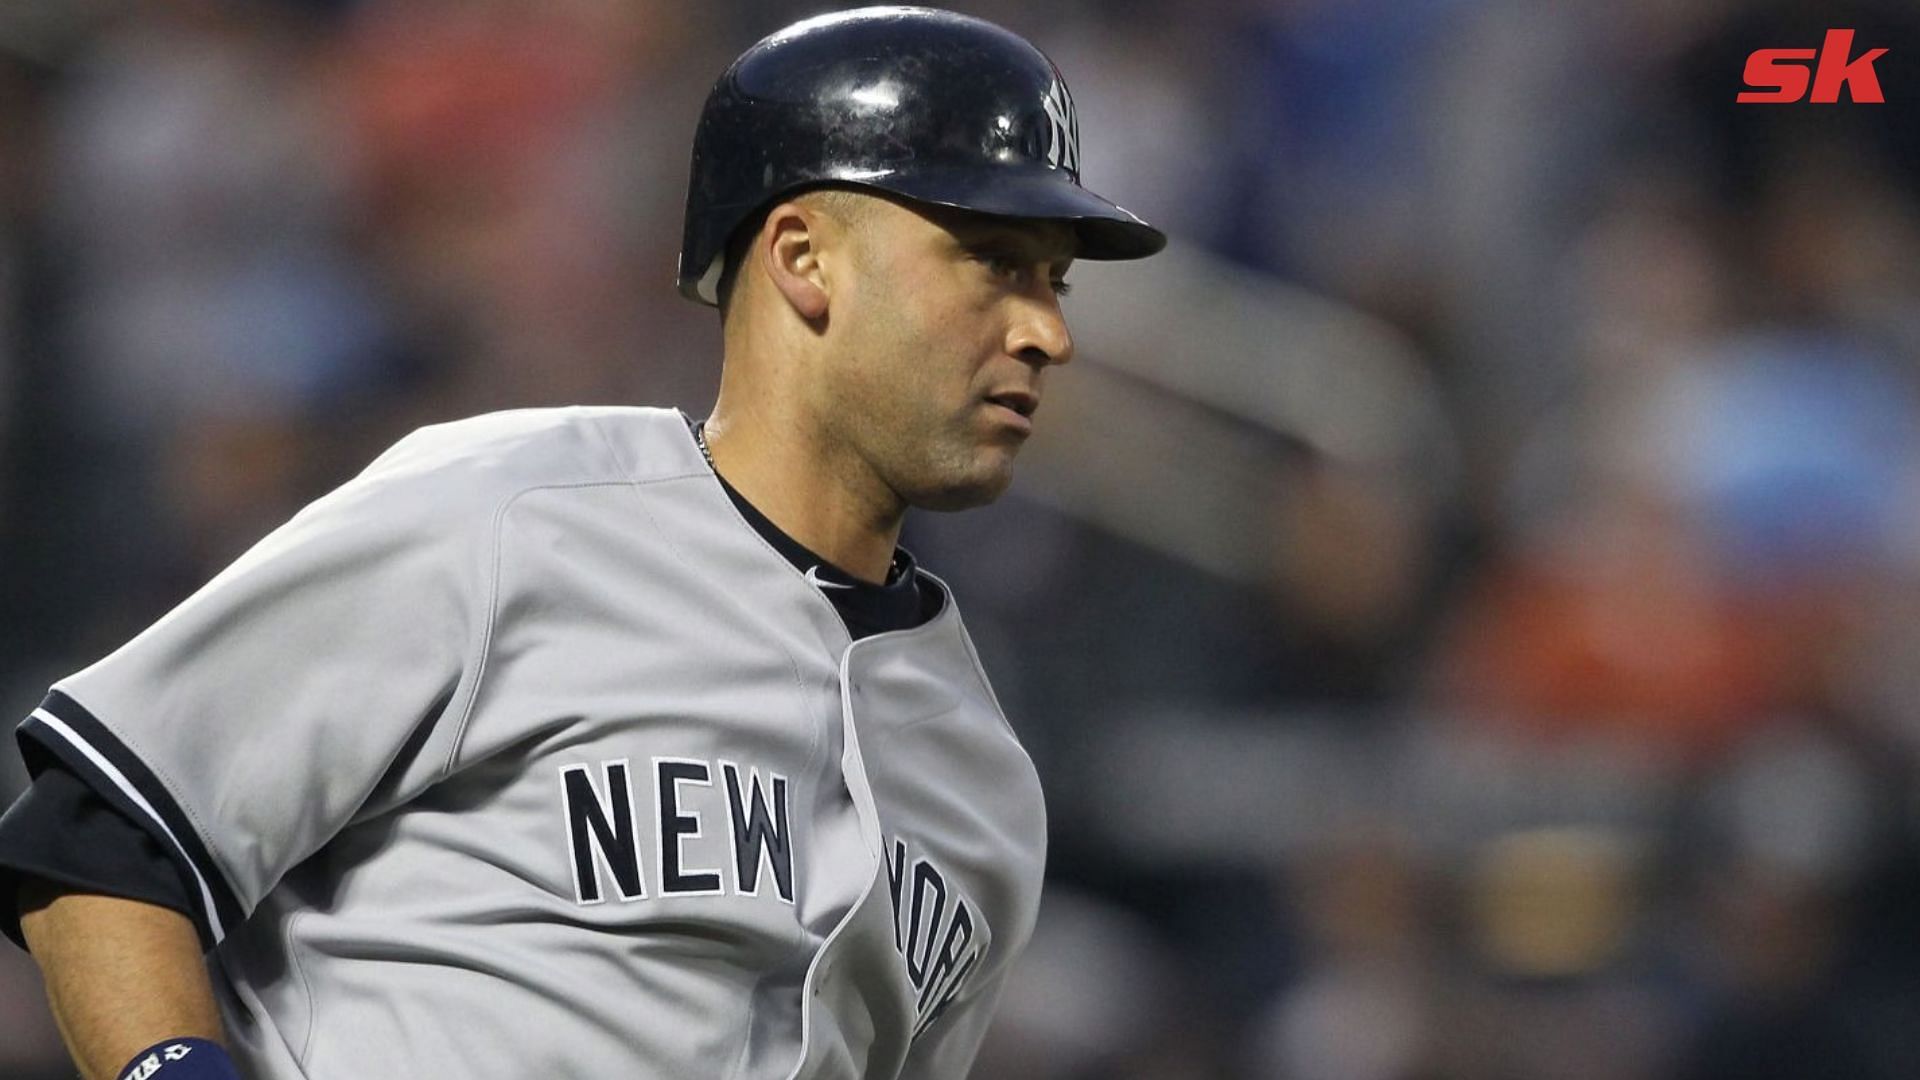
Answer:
(1040, 336)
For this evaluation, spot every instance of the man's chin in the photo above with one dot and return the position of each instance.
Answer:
(966, 493)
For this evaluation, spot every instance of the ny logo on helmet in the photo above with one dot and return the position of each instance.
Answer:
(1063, 129)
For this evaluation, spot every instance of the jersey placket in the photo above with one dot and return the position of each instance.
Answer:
(857, 953)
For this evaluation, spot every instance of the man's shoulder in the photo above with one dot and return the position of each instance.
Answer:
(504, 452)
(457, 475)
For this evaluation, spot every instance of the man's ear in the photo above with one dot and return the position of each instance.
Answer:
(789, 249)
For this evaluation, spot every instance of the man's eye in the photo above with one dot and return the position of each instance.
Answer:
(1017, 269)
(1004, 265)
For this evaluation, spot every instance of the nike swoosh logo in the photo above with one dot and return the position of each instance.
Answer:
(814, 579)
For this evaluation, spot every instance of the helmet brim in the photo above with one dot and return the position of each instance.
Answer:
(1105, 230)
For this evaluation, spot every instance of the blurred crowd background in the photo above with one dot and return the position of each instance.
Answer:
(1463, 601)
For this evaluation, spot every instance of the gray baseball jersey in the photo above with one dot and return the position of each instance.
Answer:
(522, 754)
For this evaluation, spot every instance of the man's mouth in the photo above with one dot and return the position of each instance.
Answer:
(1021, 402)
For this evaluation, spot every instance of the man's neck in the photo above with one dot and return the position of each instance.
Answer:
(849, 520)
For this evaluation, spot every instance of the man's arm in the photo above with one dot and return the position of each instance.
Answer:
(121, 974)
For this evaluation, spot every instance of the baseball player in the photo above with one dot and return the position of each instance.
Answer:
(597, 742)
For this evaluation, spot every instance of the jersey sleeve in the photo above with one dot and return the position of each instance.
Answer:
(317, 678)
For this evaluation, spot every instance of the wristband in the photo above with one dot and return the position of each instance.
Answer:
(181, 1059)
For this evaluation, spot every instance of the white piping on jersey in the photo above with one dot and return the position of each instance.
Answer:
(126, 787)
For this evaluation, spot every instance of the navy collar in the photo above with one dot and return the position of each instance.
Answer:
(905, 601)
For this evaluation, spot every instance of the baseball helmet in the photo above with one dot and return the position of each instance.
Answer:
(935, 106)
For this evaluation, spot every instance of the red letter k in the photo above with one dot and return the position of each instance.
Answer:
(1836, 70)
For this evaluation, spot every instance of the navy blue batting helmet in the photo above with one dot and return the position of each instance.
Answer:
(931, 105)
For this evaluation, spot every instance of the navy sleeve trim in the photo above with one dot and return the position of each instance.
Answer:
(64, 727)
